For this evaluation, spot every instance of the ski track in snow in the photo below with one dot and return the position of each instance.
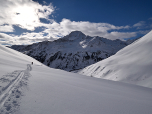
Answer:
(11, 88)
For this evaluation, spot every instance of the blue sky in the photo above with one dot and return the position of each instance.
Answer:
(30, 21)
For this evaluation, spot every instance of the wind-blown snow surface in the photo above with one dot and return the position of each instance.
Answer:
(132, 64)
(43, 90)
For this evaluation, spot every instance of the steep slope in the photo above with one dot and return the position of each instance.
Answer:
(74, 51)
(132, 64)
(43, 90)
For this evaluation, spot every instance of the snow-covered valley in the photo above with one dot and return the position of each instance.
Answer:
(38, 89)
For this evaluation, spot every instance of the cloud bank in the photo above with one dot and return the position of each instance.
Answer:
(27, 14)
(93, 29)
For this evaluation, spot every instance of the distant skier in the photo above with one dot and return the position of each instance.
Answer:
(32, 63)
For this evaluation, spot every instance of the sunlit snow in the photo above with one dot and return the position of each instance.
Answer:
(38, 89)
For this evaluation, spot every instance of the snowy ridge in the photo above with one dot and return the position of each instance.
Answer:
(74, 51)
(132, 64)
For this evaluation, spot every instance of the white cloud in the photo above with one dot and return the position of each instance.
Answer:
(34, 37)
(144, 31)
(120, 35)
(93, 29)
(25, 38)
(24, 13)
(6, 39)
(4, 36)
(140, 24)
(143, 25)
(6, 28)
(56, 30)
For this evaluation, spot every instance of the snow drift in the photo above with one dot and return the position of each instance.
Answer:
(132, 64)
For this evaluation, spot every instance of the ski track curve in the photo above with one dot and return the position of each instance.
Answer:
(9, 89)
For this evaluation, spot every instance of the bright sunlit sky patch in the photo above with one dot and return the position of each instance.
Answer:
(30, 21)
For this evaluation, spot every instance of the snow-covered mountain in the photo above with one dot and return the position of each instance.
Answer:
(38, 89)
(132, 64)
(74, 51)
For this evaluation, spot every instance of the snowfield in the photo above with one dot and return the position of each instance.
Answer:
(132, 64)
(38, 89)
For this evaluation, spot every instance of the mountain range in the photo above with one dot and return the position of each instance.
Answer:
(72, 52)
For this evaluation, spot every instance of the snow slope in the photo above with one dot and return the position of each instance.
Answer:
(132, 64)
(11, 60)
(38, 89)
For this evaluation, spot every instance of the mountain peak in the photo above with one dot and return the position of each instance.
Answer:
(76, 33)
(73, 36)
